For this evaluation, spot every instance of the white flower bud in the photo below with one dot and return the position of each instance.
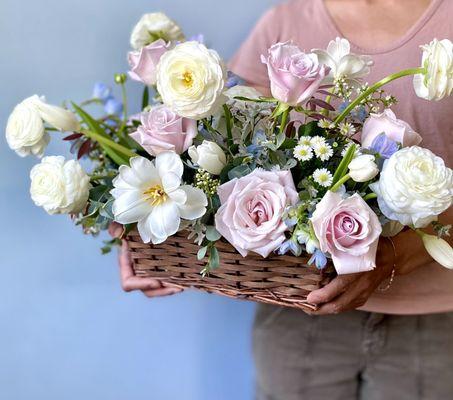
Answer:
(208, 156)
(438, 249)
(363, 168)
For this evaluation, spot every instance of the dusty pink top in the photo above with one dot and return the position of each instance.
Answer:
(428, 289)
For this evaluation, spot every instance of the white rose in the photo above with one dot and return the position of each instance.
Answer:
(152, 27)
(438, 249)
(363, 168)
(25, 132)
(415, 187)
(191, 79)
(437, 82)
(208, 156)
(59, 186)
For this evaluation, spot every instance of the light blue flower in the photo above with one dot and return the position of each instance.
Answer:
(113, 106)
(319, 259)
(233, 80)
(198, 38)
(290, 246)
(101, 91)
(384, 146)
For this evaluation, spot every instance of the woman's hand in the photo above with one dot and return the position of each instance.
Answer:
(129, 281)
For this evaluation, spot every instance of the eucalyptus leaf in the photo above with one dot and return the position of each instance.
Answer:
(202, 253)
(212, 234)
(214, 259)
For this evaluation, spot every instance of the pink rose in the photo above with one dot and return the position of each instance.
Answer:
(143, 62)
(250, 217)
(294, 75)
(349, 230)
(387, 123)
(162, 130)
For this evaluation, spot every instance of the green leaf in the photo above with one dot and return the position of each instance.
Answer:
(288, 144)
(145, 98)
(90, 121)
(281, 108)
(202, 253)
(212, 234)
(342, 169)
(239, 171)
(106, 210)
(116, 157)
(214, 259)
(310, 129)
(229, 124)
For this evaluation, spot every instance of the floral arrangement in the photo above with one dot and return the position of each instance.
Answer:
(322, 167)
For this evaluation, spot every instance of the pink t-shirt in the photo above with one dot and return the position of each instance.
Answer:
(307, 23)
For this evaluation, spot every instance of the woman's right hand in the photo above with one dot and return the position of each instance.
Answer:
(129, 281)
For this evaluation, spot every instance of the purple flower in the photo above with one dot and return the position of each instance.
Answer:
(319, 259)
(198, 38)
(113, 106)
(101, 91)
(384, 146)
(233, 80)
(290, 246)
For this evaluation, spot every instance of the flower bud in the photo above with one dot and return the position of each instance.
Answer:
(208, 156)
(363, 168)
(438, 249)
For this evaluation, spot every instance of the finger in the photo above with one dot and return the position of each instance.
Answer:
(161, 292)
(332, 290)
(349, 300)
(126, 270)
(171, 285)
(115, 229)
(139, 283)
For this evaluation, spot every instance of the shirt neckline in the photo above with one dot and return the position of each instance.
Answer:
(413, 30)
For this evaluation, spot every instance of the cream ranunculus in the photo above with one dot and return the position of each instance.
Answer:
(208, 156)
(191, 79)
(152, 194)
(414, 187)
(437, 81)
(25, 131)
(59, 186)
(438, 249)
(363, 168)
(152, 27)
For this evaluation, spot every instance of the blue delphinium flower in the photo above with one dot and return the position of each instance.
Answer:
(198, 38)
(384, 146)
(359, 114)
(292, 246)
(101, 91)
(319, 259)
(233, 80)
(113, 106)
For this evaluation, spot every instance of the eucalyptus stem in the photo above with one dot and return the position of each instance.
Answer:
(376, 86)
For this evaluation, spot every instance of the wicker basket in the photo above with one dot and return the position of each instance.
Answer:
(279, 280)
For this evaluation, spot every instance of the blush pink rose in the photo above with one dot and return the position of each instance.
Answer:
(396, 129)
(250, 216)
(143, 62)
(163, 130)
(294, 75)
(349, 230)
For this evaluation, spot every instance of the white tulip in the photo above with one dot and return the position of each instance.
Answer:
(191, 79)
(438, 249)
(152, 194)
(363, 168)
(25, 132)
(437, 82)
(209, 156)
(58, 117)
(152, 27)
(59, 186)
(414, 187)
(342, 63)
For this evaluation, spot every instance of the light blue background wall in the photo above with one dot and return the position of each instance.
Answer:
(67, 331)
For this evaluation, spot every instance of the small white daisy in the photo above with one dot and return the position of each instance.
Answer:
(323, 151)
(303, 152)
(323, 177)
(317, 140)
(347, 129)
(326, 124)
(305, 141)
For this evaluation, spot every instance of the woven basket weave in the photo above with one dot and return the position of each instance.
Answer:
(279, 280)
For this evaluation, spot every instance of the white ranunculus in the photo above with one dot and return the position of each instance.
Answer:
(25, 131)
(59, 186)
(439, 250)
(209, 156)
(152, 27)
(342, 63)
(152, 194)
(363, 168)
(414, 187)
(191, 79)
(437, 81)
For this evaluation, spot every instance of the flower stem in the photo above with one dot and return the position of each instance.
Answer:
(284, 120)
(341, 182)
(376, 86)
(370, 196)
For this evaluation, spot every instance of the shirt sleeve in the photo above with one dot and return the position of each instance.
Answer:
(246, 63)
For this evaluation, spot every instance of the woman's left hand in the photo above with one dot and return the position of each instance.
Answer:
(349, 292)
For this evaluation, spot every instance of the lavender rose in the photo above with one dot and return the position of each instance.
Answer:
(162, 130)
(294, 75)
(349, 230)
(143, 62)
(250, 217)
